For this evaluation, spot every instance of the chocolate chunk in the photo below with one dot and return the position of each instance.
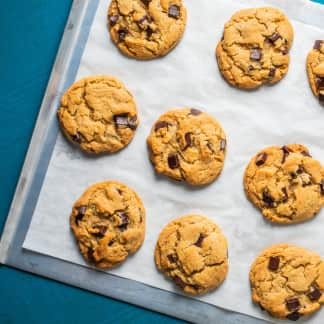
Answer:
(292, 303)
(171, 258)
(321, 97)
(267, 198)
(305, 153)
(76, 138)
(161, 124)
(174, 11)
(102, 229)
(256, 54)
(274, 37)
(113, 20)
(132, 122)
(272, 72)
(81, 211)
(286, 152)
(222, 144)
(200, 240)
(195, 112)
(273, 264)
(318, 44)
(284, 190)
(122, 33)
(146, 2)
(173, 161)
(314, 293)
(188, 139)
(124, 221)
(141, 20)
(300, 169)
(251, 68)
(111, 243)
(178, 281)
(295, 316)
(261, 158)
(322, 187)
(293, 175)
(91, 258)
(285, 51)
(121, 120)
(320, 83)
(149, 32)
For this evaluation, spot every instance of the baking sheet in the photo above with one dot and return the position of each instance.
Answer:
(188, 76)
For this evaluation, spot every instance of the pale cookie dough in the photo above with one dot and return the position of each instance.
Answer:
(255, 47)
(288, 281)
(146, 29)
(285, 183)
(315, 69)
(108, 222)
(99, 114)
(192, 251)
(189, 145)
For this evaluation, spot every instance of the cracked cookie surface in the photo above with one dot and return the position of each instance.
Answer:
(108, 222)
(189, 145)
(255, 47)
(192, 251)
(315, 69)
(285, 183)
(99, 114)
(288, 281)
(146, 29)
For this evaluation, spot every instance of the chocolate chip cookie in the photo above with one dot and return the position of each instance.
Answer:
(255, 47)
(146, 29)
(288, 281)
(108, 222)
(285, 183)
(99, 114)
(189, 145)
(315, 69)
(192, 251)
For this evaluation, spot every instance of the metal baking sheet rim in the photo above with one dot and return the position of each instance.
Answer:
(30, 182)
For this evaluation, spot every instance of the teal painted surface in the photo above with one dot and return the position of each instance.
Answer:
(30, 32)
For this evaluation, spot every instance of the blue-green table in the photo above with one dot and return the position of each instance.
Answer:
(30, 31)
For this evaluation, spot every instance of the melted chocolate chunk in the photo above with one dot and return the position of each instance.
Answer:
(188, 139)
(274, 37)
(285, 51)
(267, 198)
(178, 281)
(76, 138)
(161, 124)
(272, 73)
(111, 243)
(124, 221)
(318, 44)
(305, 153)
(171, 258)
(292, 303)
(255, 54)
(322, 187)
(81, 211)
(295, 316)
(173, 161)
(284, 190)
(141, 20)
(113, 20)
(122, 33)
(261, 158)
(149, 32)
(91, 258)
(320, 83)
(102, 229)
(195, 112)
(314, 293)
(286, 152)
(174, 11)
(222, 144)
(200, 240)
(146, 2)
(273, 264)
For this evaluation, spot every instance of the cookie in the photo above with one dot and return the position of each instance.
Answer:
(108, 222)
(315, 69)
(285, 183)
(255, 47)
(99, 114)
(192, 251)
(146, 29)
(189, 145)
(288, 281)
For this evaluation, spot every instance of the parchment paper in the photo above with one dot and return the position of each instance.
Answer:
(188, 76)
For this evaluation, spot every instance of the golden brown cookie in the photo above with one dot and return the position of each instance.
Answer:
(192, 251)
(189, 145)
(108, 222)
(146, 29)
(285, 183)
(288, 281)
(255, 47)
(315, 69)
(99, 114)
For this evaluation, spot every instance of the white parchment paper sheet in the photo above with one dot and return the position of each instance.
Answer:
(188, 76)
